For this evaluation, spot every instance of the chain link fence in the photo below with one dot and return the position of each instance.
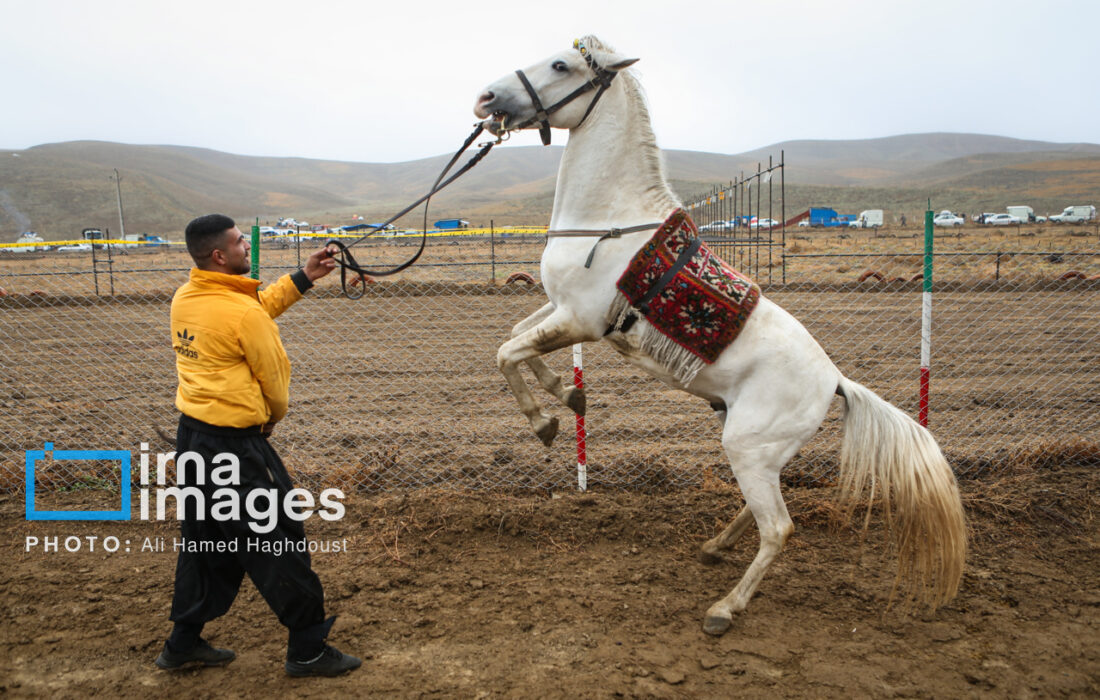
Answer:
(400, 389)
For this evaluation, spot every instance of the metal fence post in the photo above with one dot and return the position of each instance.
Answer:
(256, 249)
(492, 252)
(95, 266)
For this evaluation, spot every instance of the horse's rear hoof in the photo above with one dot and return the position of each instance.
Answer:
(709, 558)
(576, 401)
(715, 625)
(548, 431)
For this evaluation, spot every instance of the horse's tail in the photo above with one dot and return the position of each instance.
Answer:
(908, 472)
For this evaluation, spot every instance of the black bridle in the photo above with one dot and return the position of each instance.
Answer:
(600, 82)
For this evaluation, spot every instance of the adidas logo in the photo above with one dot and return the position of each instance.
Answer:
(184, 348)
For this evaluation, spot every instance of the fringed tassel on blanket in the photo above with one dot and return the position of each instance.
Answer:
(681, 363)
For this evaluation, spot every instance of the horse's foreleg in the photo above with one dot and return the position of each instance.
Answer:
(548, 335)
(709, 552)
(571, 396)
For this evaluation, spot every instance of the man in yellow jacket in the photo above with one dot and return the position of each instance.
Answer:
(234, 378)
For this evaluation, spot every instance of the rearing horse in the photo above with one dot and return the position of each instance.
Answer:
(771, 387)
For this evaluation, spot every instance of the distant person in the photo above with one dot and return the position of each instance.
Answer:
(234, 378)
(903, 219)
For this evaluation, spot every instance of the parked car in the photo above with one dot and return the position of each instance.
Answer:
(73, 248)
(764, 224)
(947, 219)
(1003, 220)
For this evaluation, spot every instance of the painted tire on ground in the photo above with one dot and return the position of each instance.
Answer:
(519, 277)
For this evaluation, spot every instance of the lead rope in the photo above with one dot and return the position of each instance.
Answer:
(346, 260)
(601, 82)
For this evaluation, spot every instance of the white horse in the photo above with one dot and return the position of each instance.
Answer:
(771, 387)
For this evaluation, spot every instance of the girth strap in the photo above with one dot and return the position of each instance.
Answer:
(603, 234)
(670, 274)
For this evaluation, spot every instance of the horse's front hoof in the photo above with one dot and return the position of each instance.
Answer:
(548, 431)
(716, 625)
(709, 558)
(576, 400)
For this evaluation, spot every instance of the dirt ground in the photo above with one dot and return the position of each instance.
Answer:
(467, 591)
(584, 595)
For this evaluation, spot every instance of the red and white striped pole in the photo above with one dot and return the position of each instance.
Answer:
(926, 320)
(582, 456)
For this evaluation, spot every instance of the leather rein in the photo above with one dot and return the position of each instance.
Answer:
(346, 260)
(601, 82)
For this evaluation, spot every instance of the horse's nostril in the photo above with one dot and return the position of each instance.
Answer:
(487, 97)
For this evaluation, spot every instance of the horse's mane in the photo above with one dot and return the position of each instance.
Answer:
(642, 127)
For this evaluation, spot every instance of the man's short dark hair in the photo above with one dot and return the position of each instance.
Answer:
(203, 235)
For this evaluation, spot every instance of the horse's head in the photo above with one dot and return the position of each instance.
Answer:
(559, 91)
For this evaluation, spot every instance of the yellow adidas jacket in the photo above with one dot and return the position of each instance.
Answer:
(233, 370)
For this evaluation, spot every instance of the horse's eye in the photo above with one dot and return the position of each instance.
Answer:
(560, 66)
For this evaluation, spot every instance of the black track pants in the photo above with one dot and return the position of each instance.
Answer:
(207, 582)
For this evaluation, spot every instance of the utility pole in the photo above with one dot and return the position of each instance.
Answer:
(118, 188)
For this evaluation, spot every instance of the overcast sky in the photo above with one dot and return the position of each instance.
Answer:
(395, 81)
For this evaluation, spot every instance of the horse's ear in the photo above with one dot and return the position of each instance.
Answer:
(621, 64)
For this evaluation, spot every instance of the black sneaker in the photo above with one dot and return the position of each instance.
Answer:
(202, 655)
(330, 662)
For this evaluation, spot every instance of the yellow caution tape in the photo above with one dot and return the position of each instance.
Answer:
(539, 230)
(97, 241)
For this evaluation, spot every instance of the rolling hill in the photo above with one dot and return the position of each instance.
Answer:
(58, 189)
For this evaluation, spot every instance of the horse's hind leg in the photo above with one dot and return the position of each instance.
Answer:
(709, 553)
(571, 396)
(757, 473)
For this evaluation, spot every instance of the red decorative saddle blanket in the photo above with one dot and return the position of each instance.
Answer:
(691, 296)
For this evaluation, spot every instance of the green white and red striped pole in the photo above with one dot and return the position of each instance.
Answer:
(926, 319)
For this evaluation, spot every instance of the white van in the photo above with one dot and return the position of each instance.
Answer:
(1075, 215)
(1023, 213)
(28, 237)
(868, 218)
